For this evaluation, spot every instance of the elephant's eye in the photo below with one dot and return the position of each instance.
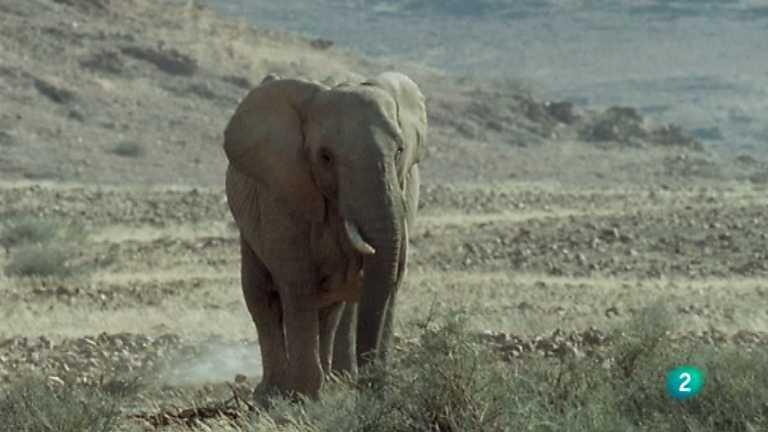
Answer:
(398, 153)
(326, 157)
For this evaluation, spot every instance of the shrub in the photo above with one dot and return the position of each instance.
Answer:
(447, 382)
(444, 382)
(168, 60)
(38, 260)
(28, 230)
(128, 149)
(33, 405)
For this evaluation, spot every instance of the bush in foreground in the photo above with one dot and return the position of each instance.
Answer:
(447, 382)
(34, 405)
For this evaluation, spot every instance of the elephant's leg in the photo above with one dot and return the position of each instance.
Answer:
(329, 321)
(344, 345)
(301, 325)
(285, 243)
(264, 306)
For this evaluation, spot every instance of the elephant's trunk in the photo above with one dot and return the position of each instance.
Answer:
(382, 223)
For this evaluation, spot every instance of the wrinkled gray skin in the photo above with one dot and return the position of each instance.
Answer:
(323, 184)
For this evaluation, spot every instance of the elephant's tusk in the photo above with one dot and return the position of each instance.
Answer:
(357, 240)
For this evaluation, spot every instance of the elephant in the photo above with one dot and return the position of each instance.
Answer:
(323, 184)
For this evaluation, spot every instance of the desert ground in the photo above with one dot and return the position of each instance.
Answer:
(547, 226)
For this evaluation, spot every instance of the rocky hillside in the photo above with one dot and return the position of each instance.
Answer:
(139, 91)
(109, 91)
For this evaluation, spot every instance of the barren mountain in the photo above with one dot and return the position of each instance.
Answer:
(140, 91)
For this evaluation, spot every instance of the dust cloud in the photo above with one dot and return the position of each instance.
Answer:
(219, 362)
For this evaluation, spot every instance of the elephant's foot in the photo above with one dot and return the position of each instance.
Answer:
(344, 368)
(265, 392)
(344, 377)
(306, 383)
(373, 377)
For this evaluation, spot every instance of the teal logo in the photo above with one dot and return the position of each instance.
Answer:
(685, 382)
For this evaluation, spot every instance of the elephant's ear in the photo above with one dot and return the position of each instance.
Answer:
(411, 109)
(264, 141)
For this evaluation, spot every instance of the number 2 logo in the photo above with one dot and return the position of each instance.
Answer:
(686, 379)
(684, 382)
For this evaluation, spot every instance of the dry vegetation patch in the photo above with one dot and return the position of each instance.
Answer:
(39, 247)
(447, 379)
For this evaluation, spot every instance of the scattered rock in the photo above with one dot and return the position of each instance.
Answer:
(56, 380)
(168, 60)
(617, 123)
(107, 61)
(747, 160)
(7, 139)
(55, 93)
(625, 125)
(87, 359)
(683, 165)
(242, 82)
(564, 112)
(593, 342)
(321, 44)
(674, 135)
(86, 5)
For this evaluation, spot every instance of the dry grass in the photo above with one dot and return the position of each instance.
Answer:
(27, 230)
(446, 381)
(39, 247)
(39, 260)
(522, 303)
(37, 405)
(534, 304)
(223, 313)
(144, 233)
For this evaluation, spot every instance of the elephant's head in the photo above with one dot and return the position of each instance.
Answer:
(353, 147)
